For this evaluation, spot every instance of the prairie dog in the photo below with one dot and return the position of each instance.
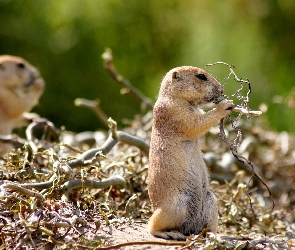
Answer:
(20, 89)
(178, 183)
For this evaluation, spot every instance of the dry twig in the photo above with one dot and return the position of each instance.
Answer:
(246, 163)
(93, 105)
(134, 243)
(128, 87)
(17, 188)
(243, 109)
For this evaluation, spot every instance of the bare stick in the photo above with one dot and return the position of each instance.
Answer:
(19, 189)
(152, 242)
(94, 106)
(61, 167)
(246, 111)
(91, 155)
(40, 185)
(127, 138)
(111, 181)
(43, 123)
(111, 69)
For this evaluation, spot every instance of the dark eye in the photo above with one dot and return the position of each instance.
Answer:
(1, 66)
(20, 65)
(202, 77)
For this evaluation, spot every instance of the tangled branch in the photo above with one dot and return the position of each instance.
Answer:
(246, 163)
(243, 108)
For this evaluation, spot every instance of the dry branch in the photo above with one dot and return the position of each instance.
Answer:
(91, 155)
(246, 111)
(134, 243)
(94, 106)
(18, 188)
(41, 185)
(127, 138)
(111, 181)
(112, 71)
(49, 131)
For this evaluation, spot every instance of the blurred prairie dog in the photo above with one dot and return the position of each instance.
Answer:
(178, 183)
(20, 88)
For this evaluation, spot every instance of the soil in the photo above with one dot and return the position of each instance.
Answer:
(131, 233)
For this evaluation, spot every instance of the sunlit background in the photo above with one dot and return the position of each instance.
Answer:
(65, 40)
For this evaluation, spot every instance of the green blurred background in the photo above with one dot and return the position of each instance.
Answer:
(65, 40)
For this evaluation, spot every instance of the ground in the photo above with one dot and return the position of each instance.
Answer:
(59, 191)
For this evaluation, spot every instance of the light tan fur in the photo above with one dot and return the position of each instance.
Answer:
(178, 182)
(20, 89)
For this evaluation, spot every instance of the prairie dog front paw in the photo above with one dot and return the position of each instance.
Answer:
(225, 107)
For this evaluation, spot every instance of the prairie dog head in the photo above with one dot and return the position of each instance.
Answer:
(190, 84)
(20, 86)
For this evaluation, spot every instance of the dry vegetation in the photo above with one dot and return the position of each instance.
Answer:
(61, 190)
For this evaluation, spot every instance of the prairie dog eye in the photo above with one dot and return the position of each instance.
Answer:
(20, 65)
(202, 77)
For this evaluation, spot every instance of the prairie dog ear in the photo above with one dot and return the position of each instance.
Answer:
(175, 76)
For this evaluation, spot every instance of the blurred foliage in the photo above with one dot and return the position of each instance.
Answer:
(65, 40)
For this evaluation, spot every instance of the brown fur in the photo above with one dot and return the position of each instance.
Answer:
(20, 89)
(178, 180)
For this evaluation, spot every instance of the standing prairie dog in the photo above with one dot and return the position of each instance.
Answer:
(178, 183)
(20, 89)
